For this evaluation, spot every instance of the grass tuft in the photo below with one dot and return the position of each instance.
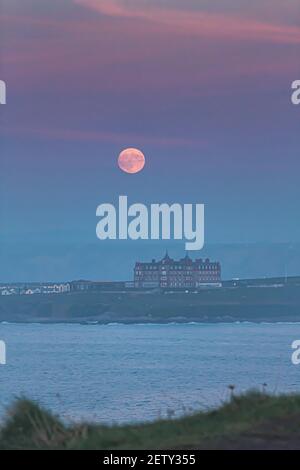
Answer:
(252, 420)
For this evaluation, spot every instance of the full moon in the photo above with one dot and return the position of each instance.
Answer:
(131, 160)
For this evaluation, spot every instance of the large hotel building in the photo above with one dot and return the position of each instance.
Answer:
(181, 274)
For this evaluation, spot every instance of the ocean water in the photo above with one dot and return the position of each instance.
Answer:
(125, 373)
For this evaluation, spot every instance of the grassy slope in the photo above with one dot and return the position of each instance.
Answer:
(251, 421)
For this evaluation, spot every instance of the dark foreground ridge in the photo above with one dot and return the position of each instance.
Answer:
(251, 421)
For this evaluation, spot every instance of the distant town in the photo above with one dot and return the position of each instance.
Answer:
(160, 291)
(167, 273)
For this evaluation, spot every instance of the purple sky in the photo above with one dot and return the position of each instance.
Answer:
(202, 87)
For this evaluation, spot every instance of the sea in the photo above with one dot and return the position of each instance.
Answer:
(119, 373)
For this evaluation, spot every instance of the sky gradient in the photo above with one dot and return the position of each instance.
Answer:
(202, 87)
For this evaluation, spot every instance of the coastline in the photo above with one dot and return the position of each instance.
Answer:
(165, 323)
(223, 305)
